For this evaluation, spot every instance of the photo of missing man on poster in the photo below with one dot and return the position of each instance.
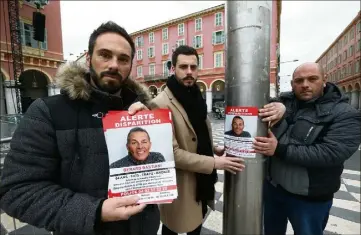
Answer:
(236, 127)
(138, 149)
(141, 159)
(139, 146)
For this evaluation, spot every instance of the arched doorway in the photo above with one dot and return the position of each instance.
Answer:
(153, 91)
(217, 91)
(202, 88)
(34, 85)
(3, 109)
(163, 87)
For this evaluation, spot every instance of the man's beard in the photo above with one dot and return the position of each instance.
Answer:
(111, 87)
(182, 80)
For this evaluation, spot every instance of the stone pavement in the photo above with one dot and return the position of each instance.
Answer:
(344, 216)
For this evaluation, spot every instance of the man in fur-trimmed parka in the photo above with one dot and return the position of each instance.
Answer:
(56, 173)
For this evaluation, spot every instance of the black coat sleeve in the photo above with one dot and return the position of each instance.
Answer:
(28, 188)
(341, 140)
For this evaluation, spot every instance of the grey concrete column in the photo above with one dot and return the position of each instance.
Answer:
(355, 99)
(209, 100)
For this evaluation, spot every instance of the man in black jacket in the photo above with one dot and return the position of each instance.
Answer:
(56, 173)
(307, 150)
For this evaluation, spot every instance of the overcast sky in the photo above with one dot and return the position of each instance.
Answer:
(307, 27)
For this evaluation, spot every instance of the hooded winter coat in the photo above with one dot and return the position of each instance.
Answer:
(56, 173)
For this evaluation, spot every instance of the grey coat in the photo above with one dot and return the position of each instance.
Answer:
(315, 139)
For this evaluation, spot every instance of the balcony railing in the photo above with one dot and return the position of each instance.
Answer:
(156, 77)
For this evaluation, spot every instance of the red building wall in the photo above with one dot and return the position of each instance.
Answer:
(47, 61)
(208, 74)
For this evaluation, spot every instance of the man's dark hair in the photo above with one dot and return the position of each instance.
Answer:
(136, 129)
(109, 27)
(183, 50)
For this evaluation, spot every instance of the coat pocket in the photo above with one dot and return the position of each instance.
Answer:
(306, 130)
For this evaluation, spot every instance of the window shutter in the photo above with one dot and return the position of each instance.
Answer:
(22, 32)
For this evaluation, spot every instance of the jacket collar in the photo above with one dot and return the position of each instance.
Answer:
(180, 108)
(74, 81)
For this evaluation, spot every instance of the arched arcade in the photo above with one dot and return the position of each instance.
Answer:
(34, 85)
(153, 90)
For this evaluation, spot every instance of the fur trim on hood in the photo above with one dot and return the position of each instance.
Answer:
(71, 79)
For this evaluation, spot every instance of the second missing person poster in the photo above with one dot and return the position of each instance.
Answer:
(141, 155)
(240, 130)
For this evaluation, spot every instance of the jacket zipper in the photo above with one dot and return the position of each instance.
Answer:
(309, 132)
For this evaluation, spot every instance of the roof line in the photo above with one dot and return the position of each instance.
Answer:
(340, 36)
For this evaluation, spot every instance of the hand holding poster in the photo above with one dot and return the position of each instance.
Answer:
(141, 155)
(240, 129)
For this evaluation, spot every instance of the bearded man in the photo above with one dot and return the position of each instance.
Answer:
(56, 173)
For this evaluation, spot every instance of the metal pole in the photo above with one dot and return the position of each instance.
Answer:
(248, 28)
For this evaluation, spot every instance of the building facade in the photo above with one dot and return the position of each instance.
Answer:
(205, 31)
(40, 59)
(341, 61)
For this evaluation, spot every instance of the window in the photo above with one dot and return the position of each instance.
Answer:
(27, 33)
(165, 68)
(165, 34)
(139, 41)
(32, 2)
(181, 29)
(150, 52)
(165, 49)
(151, 37)
(349, 69)
(357, 67)
(345, 40)
(358, 27)
(351, 33)
(139, 54)
(200, 65)
(358, 45)
(218, 37)
(197, 41)
(218, 19)
(218, 59)
(180, 42)
(350, 51)
(139, 71)
(152, 69)
(198, 24)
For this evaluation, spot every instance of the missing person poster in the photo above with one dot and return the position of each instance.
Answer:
(240, 129)
(141, 156)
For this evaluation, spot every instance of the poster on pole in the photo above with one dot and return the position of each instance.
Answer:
(240, 129)
(141, 160)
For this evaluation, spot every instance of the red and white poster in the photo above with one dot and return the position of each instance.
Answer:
(240, 128)
(141, 159)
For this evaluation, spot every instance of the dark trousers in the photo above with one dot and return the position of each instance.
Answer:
(145, 223)
(306, 217)
(197, 231)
